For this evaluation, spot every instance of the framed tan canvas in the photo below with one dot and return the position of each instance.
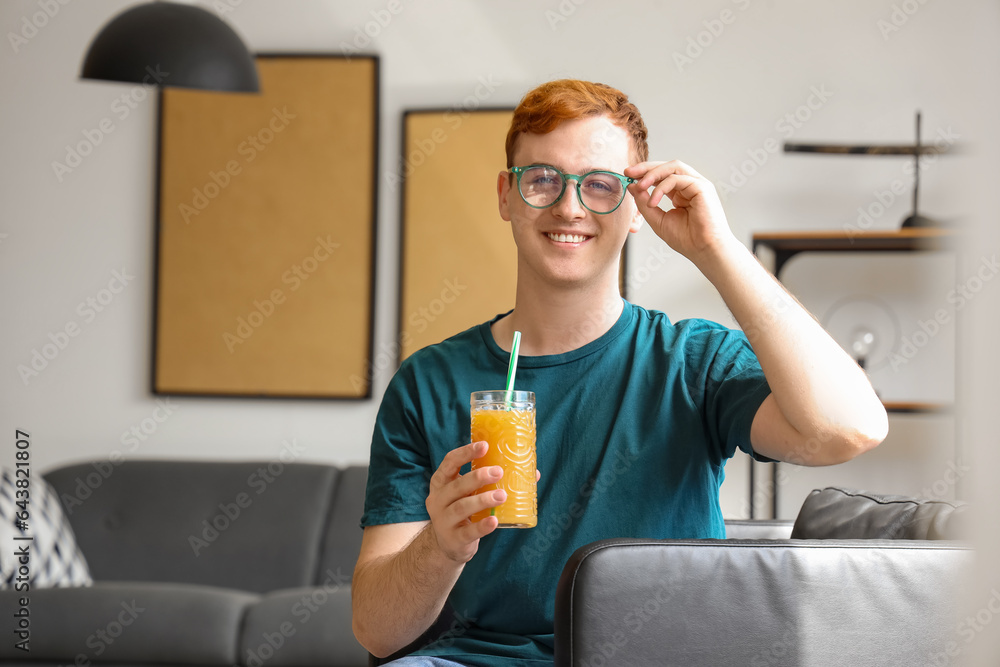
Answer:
(265, 238)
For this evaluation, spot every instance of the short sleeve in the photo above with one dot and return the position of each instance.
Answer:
(399, 470)
(734, 388)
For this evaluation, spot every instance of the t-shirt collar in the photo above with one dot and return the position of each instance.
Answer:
(623, 322)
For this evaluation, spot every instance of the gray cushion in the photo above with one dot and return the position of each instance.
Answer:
(843, 514)
(303, 627)
(131, 622)
(252, 526)
(342, 542)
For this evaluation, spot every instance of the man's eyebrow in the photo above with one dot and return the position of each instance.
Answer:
(586, 170)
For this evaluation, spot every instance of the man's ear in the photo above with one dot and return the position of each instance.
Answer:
(503, 194)
(635, 224)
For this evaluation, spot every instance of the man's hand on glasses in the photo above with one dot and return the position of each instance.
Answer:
(696, 224)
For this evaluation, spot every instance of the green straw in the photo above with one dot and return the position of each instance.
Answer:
(512, 368)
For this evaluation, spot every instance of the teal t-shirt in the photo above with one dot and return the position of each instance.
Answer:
(634, 430)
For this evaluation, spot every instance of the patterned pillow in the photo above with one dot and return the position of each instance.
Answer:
(54, 559)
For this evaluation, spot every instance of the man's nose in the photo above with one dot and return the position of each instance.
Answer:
(569, 206)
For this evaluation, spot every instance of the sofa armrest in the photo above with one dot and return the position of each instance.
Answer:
(130, 622)
(736, 602)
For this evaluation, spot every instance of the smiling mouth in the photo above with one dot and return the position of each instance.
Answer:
(567, 238)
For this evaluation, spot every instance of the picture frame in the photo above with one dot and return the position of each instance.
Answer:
(265, 233)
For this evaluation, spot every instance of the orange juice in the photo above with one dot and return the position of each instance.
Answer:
(511, 436)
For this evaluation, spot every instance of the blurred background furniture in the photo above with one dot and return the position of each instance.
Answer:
(203, 563)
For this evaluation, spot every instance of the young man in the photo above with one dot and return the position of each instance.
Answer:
(636, 416)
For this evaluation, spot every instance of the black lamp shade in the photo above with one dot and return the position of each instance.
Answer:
(169, 44)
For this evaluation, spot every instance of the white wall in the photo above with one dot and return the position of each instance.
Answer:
(979, 366)
(63, 239)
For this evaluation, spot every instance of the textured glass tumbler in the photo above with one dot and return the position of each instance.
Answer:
(509, 428)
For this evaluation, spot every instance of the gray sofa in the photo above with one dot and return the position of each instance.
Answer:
(249, 563)
(203, 563)
(859, 579)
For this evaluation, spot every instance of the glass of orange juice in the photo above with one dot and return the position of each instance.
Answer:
(506, 420)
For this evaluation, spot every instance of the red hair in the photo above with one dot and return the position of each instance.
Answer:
(548, 105)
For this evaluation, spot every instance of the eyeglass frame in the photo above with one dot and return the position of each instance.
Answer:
(622, 178)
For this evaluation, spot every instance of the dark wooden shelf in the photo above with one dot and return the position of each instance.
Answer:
(914, 407)
(786, 245)
(865, 149)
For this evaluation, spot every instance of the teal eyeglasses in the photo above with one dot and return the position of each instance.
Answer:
(541, 186)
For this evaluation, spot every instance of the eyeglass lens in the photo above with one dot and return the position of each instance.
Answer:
(600, 191)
